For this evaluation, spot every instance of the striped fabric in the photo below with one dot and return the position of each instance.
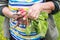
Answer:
(18, 32)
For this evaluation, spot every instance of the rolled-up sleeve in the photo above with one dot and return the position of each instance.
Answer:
(57, 6)
(2, 5)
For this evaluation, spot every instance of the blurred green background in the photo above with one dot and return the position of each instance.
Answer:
(56, 18)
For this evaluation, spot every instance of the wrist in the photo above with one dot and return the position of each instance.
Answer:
(48, 6)
(51, 5)
(7, 12)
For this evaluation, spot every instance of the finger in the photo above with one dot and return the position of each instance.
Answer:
(37, 14)
(16, 16)
(22, 13)
(25, 17)
(30, 13)
(34, 14)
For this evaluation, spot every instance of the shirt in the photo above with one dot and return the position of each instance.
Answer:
(18, 32)
(49, 35)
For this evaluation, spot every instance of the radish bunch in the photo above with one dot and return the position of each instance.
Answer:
(39, 25)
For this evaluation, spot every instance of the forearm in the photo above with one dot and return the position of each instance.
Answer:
(55, 5)
(48, 6)
(7, 12)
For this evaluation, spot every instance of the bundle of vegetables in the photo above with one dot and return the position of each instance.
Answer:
(40, 25)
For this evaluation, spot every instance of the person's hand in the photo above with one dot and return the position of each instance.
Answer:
(7, 12)
(35, 10)
(20, 14)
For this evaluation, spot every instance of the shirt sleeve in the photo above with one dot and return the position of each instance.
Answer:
(2, 5)
(57, 6)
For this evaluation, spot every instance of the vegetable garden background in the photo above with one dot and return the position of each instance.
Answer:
(56, 17)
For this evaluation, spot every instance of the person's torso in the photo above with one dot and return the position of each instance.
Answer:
(17, 29)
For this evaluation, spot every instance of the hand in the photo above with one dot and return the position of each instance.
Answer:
(20, 14)
(35, 10)
(7, 12)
